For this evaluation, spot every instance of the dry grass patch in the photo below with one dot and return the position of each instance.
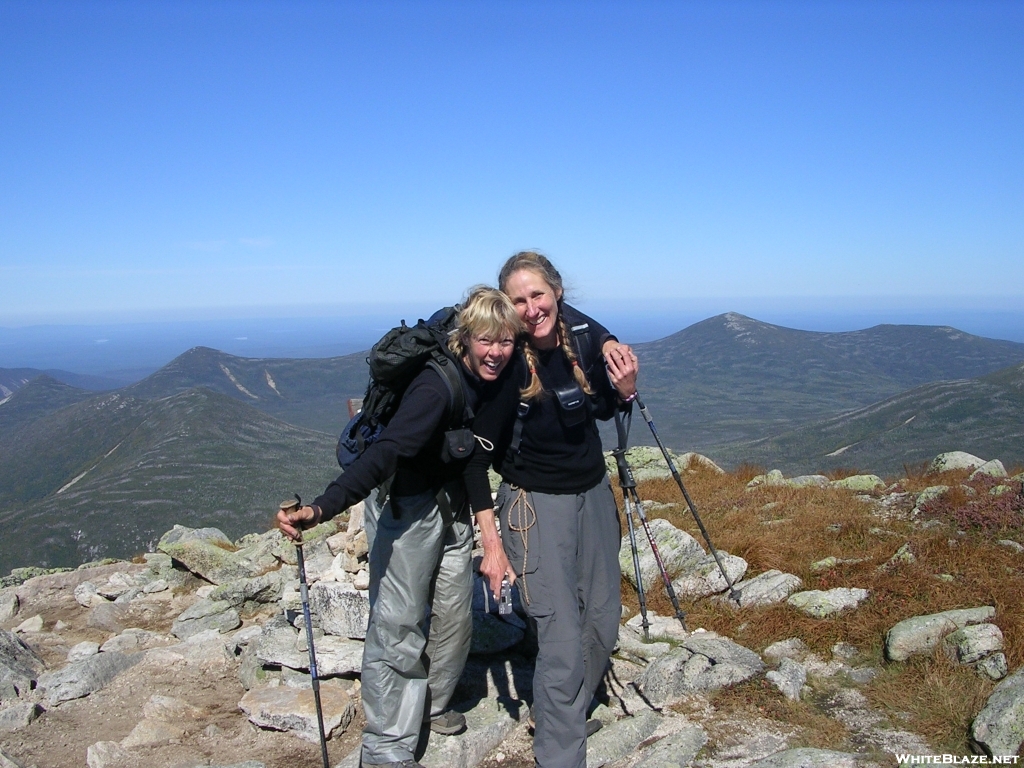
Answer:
(758, 698)
(937, 697)
(956, 565)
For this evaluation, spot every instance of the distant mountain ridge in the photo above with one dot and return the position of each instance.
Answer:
(102, 477)
(731, 378)
(983, 416)
(12, 379)
(307, 392)
(214, 439)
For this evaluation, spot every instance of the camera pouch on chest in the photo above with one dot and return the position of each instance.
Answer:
(458, 444)
(572, 403)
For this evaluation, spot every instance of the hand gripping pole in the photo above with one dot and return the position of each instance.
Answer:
(291, 506)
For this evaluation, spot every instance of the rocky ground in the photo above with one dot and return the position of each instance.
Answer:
(195, 655)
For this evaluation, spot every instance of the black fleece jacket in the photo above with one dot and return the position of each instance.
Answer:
(553, 457)
(409, 447)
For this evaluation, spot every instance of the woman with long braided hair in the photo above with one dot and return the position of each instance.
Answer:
(560, 527)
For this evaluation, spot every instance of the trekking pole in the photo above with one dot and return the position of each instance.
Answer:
(632, 503)
(291, 506)
(733, 594)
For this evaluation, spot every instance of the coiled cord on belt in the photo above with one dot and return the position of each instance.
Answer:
(521, 518)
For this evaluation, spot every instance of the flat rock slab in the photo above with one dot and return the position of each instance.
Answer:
(999, 727)
(700, 664)
(808, 758)
(659, 626)
(764, 589)
(106, 753)
(283, 708)
(677, 750)
(86, 676)
(621, 738)
(281, 646)
(150, 732)
(821, 603)
(860, 483)
(920, 634)
(133, 640)
(487, 725)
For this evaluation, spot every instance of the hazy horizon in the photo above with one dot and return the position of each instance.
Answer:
(130, 350)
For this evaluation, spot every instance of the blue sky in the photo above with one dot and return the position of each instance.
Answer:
(184, 160)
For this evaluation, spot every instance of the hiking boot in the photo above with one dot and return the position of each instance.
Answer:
(396, 764)
(448, 723)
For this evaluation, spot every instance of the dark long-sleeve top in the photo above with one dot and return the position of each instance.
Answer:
(553, 457)
(408, 448)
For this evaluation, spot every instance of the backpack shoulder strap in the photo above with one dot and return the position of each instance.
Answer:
(459, 411)
(579, 327)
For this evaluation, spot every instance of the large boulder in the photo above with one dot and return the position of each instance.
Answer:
(207, 552)
(267, 588)
(704, 577)
(679, 552)
(284, 708)
(999, 727)
(18, 715)
(9, 603)
(699, 664)
(86, 676)
(993, 468)
(205, 615)
(946, 462)
(20, 667)
(971, 644)
(920, 634)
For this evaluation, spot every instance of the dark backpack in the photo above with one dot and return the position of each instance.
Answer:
(394, 362)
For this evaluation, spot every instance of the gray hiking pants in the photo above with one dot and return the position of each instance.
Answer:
(565, 550)
(420, 587)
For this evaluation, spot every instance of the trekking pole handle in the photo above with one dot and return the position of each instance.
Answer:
(293, 505)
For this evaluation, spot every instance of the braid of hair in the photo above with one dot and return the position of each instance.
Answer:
(533, 387)
(567, 348)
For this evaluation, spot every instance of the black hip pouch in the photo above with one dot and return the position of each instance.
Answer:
(572, 403)
(458, 444)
